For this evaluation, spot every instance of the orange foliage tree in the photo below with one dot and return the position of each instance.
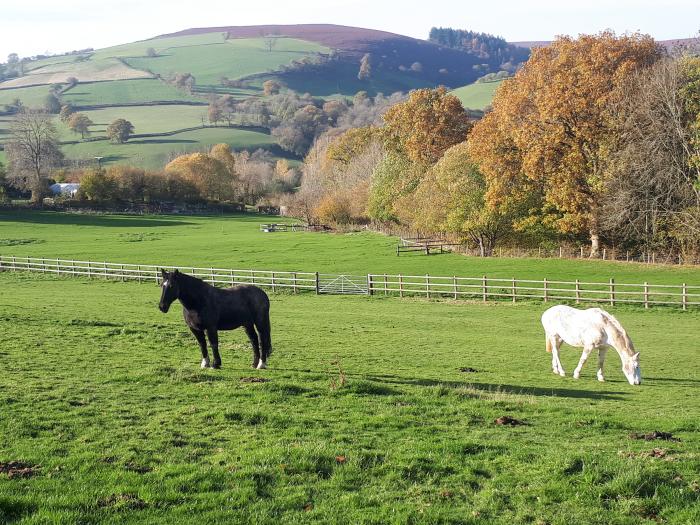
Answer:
(548, 140)
(213, 174)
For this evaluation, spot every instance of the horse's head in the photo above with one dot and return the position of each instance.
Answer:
(630, 367)
(171, 289)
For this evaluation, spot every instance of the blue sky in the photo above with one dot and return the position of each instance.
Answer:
(29, 27)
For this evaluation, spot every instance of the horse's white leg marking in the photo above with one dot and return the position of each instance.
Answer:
(601, 361)
(584, 357)
(556, 363)
(261, 365)
(205, 362)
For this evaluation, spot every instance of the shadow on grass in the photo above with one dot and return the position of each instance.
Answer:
(120, 221)
(162, 141)
(484, 387)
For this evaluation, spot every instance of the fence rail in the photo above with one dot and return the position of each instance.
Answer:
(429, 286)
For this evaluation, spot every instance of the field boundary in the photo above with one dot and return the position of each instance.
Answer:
(428, 286)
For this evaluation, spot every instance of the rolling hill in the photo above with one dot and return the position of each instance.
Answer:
(134, 81)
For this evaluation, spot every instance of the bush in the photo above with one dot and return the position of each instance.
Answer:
(334, 209)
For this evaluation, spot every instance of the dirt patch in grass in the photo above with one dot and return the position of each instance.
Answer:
(254, 380)
(18, 469)
(122, 502)
(509, 421)
(656, 434)
(659, 453)
(468, 370)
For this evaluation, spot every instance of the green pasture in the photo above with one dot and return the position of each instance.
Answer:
(478, 95)
(146, 119)
(236, 242)
(124, 92)
(154, 152)
(30, 96)
(233, 58)
(137, 49)
(364, 415)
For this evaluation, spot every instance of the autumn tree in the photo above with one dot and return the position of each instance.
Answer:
(32, 150)
(426, 125)
(66, 111)
(120, 130)
(80, 123)
(214, 174)
(551, 130)
(365, 67)
(451, 198)
(271, 87)
(214, 112)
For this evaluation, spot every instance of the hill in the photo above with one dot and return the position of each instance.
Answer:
(141, 82)
(478, 95)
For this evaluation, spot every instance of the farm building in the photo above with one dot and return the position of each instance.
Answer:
(68, 189)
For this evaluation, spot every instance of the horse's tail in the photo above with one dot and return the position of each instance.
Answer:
(265, 331)
(548, 343)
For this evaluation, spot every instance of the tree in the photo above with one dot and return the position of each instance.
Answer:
(52, 104)
(66, 111)
(80, 123)
(208, 174)
(33, 149)
(271, 87)
(120, 130)
(270, 42)
(72, 82)
(365, 67)
(151, 52)
(214, 112)
(551, 130)
(451, 199)
(98, 185)
(426, 125)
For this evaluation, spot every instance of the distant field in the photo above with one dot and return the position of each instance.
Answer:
(233, 58)
(153, 152)
(30, 96)
(477, 96)
(124, 92)
(85, 71)
(146, 119)
(236, 242)
(138, 49)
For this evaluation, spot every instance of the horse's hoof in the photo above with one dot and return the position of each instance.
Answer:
(205, 363)
(216, 365)
(261, 365)
(562, 374)
(601, 379)
(576, 376)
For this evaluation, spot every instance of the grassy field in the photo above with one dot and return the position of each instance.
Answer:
(236, 242)
(146, 119)
(232, 58)
(477, 96)
(124, 92)
(365, 416)
(30, 96)
(153, 152)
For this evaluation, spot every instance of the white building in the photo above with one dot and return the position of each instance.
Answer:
(68, 189)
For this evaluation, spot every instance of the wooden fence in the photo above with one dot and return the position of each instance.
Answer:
(429, 286)
(486, 289)
(294, 281)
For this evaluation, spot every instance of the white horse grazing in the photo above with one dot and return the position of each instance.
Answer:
(592, 328)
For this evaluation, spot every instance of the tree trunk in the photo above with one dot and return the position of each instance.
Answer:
(595, 245)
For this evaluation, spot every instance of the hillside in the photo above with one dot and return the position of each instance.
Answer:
(478, 95)
(141, 82)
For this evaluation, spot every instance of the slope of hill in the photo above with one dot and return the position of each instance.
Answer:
(478, 95)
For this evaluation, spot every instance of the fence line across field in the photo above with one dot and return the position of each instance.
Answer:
(428, 286)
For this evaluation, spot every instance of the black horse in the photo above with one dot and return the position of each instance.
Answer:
(209, 309)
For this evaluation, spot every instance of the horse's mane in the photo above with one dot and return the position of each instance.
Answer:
(618, 334)
(191, 280)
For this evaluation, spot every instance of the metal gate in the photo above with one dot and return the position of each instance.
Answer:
(342, 284)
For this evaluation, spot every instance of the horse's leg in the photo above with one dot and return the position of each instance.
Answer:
(199, 335)
(602, 351)
(584, 357)
(213, 336)
(254, 343)
(556, 364)
(263, 326)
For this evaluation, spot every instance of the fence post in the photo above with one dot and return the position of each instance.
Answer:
(318, 288)
(581, 252)
(454, 286)
(612, 292)
(138, 272)
(121, 270)
(514, 289)
(560, 254)
(104, 269)
(427, 286)
(294, 282)
(386, 291)
(400, 285)
(646, 294)
(578, 291)
(369, 284)
(89, 270)
(58, 266)
(544, 289)
(604, 253)
(72, 267)
(273, 281)
(685, 297)
(484, 291)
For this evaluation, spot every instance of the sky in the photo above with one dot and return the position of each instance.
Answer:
(30, 27)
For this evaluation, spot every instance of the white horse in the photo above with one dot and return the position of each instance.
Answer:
(590, 329)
